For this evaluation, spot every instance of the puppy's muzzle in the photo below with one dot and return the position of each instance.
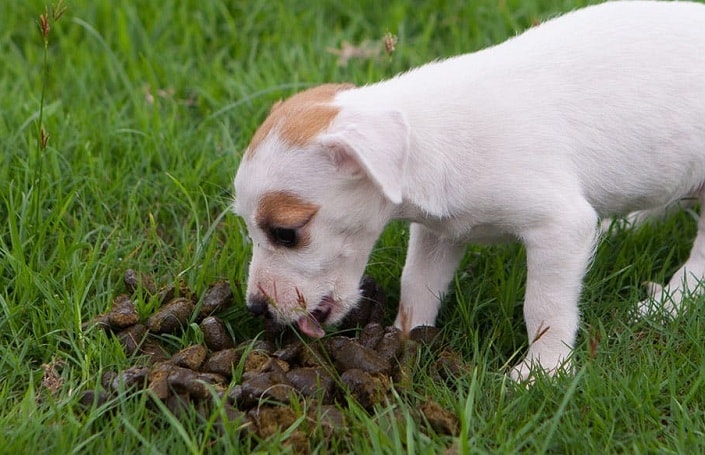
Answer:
(310, 323)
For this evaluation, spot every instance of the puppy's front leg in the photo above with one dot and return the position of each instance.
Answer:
(430, 264)
(558, 252)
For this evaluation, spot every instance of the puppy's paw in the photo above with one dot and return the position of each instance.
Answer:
(551, 364)
(653, 289)
(661, 301)
(522, 374)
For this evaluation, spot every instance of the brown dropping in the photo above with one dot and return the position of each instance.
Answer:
(217, 297)
(390, 346)
(299, 441)
(154, 351)
(215, 334)
(275, 364)
(355, 356)
(312, 382)
(203, 407)
(134, 281)
(100, 321)
(191, 357)
(91, 398)
(371, 334)
(404, 374)
(259, 345)
(223, 362)
(214, 380)
(313, 355)
(170, 292)
(158, 380)
(133, 377)
(368, 390)
(132, 337)
(427, 335)
(255, 361)
(328, 417)
(439, 419)
(122, 314)
(289, 353)
(333, 344)
(264, 387)
(171, 317)
(448, 365)
(269, 420)
(260, 362)
(278, 369)
(131, 279)
(178, 405)
(229, 415)
(166, 379)
(183, 380)
(107, 380)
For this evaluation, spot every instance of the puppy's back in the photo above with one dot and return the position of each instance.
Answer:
(611, 97)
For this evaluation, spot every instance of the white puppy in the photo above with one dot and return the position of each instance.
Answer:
(595, 113)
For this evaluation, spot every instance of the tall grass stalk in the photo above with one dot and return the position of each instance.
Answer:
(50, 16)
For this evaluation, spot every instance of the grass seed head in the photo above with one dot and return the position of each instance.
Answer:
(43, 138)
(44, 24)
(390, 43)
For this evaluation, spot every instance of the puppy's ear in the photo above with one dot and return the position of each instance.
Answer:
(372, 143)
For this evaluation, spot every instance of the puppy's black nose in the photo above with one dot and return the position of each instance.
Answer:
(257, 304)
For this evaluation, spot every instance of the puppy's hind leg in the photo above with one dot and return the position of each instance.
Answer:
(430, 264)
(690, 278)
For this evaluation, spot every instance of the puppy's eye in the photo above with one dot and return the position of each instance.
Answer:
(283, 236)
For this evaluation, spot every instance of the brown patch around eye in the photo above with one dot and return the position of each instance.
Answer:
(282, 209)
(299, 118)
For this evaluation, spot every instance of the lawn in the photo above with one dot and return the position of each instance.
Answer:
(121, 134)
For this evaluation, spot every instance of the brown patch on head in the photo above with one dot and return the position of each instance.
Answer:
(281, 209)
(299, 118)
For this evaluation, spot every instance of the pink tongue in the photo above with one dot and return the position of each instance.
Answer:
(310, 326)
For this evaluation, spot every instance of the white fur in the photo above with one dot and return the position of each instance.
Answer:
(597, 113)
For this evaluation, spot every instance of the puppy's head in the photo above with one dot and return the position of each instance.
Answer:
(316, 186)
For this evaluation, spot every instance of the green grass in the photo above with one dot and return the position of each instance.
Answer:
(148, 106)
